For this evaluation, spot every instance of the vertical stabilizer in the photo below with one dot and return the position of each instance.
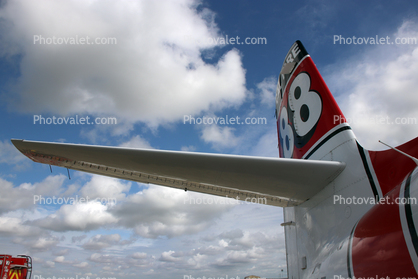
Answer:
(307, 114)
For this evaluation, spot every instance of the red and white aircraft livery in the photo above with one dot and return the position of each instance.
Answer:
(348, 212)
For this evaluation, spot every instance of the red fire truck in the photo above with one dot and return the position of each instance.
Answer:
(19, 267)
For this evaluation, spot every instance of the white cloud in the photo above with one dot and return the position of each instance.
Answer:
(9, 154)
(81, 265)
(376, 89)
(61, 252)
(219, 137)
(188, 148)
(59, 259)
(155, 72)
(14, 227)
(234, 257)
(78, 217)
(136, 142)
(161, 211)
(168, 257)
(43, 243)
(100, 258)
(268, 91)
(99, 242)
(27, 195)
(197, 261)
(105, 188)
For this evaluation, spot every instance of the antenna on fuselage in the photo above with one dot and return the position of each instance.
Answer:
(403, 153)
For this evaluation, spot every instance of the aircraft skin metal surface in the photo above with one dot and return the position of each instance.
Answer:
(345, 214)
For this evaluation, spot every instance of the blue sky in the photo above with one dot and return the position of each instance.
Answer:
(163, 67)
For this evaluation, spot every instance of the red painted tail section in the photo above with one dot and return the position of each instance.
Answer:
(378, 220)
(387, 164)
(385, 240)
(306, 109)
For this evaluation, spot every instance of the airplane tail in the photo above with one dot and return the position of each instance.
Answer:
(311, 125)
(307, 115)
(331, 234)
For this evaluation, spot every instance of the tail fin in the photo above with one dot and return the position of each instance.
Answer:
(324, 236)
(307, 114)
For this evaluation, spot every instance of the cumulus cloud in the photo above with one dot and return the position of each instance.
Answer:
(61, 252)
(42, 243)
(9, 154)
(224, 251)
(81, 265)
(160, 211)
(197, 261)
(153, 72)
(136, 142)
(10, 226)
(59, 259)
(156, 73)
(105, 188)
(267, 90)
(99, 242)
(101, 258)
(188, 148)
(78, 217)
(26, 195)
(219, 137)
(239, 257)
(153, 212)
(169, 256)
(377, 91)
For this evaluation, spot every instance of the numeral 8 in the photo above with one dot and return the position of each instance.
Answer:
(306, 105)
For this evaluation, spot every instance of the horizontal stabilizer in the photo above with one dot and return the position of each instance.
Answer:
(282, 182)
